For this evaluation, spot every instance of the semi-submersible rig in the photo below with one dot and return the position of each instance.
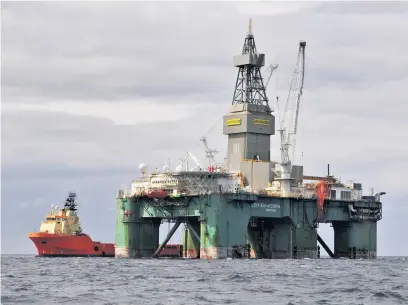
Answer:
(251, 206)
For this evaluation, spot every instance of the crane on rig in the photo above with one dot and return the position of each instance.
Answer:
(190, 155)
(209, 152)
(267, 73)
(288, 126)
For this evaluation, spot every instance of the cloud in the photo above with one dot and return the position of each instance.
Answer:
(39, 202)
(120, 113)
(106, 56)
(361, 8)
(89, 91)
(273, 8)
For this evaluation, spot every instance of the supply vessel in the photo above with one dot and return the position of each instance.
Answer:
(61, 234)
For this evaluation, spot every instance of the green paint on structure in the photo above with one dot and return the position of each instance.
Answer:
(222, 222)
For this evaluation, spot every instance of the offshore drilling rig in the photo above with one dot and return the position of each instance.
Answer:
(250, 207)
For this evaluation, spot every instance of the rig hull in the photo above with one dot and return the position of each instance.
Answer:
(247, 226)
(57, 245)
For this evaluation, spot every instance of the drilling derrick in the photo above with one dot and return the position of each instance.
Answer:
(249, 87)
(249, 123)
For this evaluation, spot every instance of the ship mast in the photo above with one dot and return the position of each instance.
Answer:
(70, 202)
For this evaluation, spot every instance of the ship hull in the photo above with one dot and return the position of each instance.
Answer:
(58, 245)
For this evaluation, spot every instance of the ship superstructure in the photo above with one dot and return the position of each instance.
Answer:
(249, 206)
(63, 221)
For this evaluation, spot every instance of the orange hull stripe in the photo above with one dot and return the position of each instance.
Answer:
(54, 244)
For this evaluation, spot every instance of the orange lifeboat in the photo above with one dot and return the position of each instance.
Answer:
(157, 194)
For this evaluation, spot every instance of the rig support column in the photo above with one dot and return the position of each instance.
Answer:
(305, 243)
(355, 239)
(362, 239)
(340, 239)
(127, 240)
(224, 233)
(256, 251)
(135, 237)
(191, 239)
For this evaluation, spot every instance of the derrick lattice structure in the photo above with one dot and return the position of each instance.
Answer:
(249, 87)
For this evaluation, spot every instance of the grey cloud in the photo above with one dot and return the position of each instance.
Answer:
(35, 137)
(111, 52)
(363, 8)
(136, 56)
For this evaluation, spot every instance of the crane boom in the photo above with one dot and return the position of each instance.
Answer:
(209, 152)
(289, 121)
(267, 73)
(192, 157)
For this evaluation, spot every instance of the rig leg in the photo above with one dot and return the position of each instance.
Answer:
(255, 251)
(149, 236)
(191, 228)
(304, 243)
(340, 239)
(355, 239)
(282, 239)
(224, 233)
(135, 237)
(192, 240)
(362, 239)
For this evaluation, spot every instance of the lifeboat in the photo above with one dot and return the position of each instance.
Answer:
(157, 194)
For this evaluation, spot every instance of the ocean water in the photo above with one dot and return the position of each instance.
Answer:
(35, 280)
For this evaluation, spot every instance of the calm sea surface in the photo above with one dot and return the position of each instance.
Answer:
(32, 280)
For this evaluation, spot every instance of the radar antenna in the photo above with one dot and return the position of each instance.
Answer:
(70, 202)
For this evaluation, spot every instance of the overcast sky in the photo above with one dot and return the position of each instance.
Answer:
(91, 90)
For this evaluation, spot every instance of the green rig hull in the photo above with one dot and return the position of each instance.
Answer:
(220, 226)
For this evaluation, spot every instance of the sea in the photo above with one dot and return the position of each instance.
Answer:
(38, 280)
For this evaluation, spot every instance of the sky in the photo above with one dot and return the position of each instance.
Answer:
(92, 89)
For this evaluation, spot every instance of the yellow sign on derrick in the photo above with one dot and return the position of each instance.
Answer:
(232, 122)
(261, 122)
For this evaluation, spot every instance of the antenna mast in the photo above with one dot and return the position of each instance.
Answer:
(70, 202)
